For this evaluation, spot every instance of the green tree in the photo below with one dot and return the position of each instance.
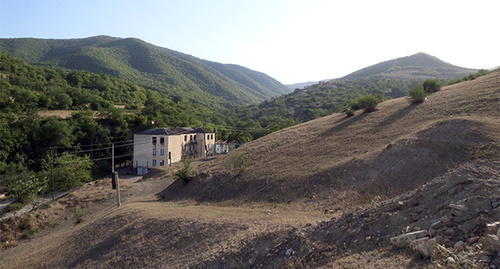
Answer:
(70, 171)
(63, 100)
(367, 102)
(184, 174)
(431, 85)
(416, 95)
(55, 132)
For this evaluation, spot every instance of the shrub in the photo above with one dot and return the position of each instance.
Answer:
(354, 104)
(349, 112)
(78, 214)
(368, 102)
(432, 85)
(184, 173)
(479, 73)
(240, 162)
(416, 95)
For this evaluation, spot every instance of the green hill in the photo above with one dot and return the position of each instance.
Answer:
(153, 67)
(391, 79)
(418, 66)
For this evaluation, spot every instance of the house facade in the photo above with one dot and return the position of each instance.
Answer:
(164, 146)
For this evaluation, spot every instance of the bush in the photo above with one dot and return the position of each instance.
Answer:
(432, 85)
(240, 162)
(368, 102)
(479, 73)
(78, 214)
(416, 95)
(349, 112)
(184, 173)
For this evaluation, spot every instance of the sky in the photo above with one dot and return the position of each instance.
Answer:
(290, 40)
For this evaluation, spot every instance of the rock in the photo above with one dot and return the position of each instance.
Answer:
(455, 189)
(404, 240)
(473, 240)
(449, 232)
(450, 260)
(444, 221)
(428, 248)
(440, 239)
(458, 207)
(490, 242)
(492, 228)
(459, 246)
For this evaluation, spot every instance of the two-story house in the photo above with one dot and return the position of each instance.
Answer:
(164, 146)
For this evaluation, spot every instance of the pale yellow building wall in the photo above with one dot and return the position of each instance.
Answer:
(145, 154)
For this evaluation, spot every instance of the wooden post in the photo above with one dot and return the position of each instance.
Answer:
(113, 158)
(117, 185)
(51, 165)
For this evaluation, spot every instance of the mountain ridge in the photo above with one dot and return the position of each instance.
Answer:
(420, 65)
(150, 66)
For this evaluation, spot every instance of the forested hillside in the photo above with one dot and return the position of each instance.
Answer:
(173, 73)
(104, 110)
(390, 79)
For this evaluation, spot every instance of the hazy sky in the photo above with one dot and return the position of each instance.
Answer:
(290, 40)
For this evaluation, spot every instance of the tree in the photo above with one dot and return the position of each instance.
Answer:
(63, 100)
(184, 173)
(21, 183)
(431, 85)
(416, 95)
(70, 171)
(367, 102)
(55, 132)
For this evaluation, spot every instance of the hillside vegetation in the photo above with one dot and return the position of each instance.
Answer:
(152, 67)
(389, 79)
(47, 111)
(328, 193)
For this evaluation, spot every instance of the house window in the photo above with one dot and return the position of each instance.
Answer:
(162, 162)
(185, 138)
(169, 155)
(154, 139)
(154, 163)
(162, 152)
(162, 140)
(212, 137)
(154, 152)
(194, 137)
(191, 137)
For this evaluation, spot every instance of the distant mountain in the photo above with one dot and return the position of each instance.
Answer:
(300, 85)
(150, 66)
(417, 66)
(391, 79)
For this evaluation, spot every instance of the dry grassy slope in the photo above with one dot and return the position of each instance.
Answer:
(342, 161)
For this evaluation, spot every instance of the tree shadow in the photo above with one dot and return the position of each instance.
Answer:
(344, 122)
(398, 114)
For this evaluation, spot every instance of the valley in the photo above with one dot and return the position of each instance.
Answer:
(327, 193)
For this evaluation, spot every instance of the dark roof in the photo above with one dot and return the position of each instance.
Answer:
(174, 131)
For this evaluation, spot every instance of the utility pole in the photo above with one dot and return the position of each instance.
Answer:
(117, 185)
(51, 164)
(114, 176)
(112, 157)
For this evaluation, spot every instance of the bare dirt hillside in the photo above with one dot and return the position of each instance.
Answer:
(340, 161)
(329, 193)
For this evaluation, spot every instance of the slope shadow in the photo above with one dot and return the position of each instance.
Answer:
(401, 167)
(398, 115)
(345, 122)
